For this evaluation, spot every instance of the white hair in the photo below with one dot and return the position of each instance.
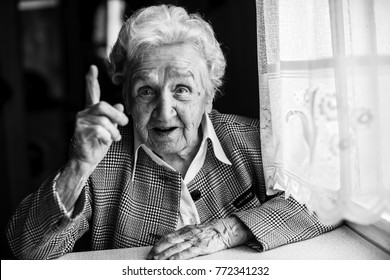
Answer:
(156, 26)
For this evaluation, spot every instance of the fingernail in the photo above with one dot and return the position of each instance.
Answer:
(156, 257)
(171, 258)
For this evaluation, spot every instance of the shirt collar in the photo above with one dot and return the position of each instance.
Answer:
(208, 133)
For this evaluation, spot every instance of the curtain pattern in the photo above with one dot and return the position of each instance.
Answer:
(324, 85)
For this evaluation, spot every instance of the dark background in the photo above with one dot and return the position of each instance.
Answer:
(44, 55)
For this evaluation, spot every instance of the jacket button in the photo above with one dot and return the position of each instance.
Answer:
(196, 195)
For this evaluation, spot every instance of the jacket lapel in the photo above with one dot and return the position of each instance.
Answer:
(150, 203)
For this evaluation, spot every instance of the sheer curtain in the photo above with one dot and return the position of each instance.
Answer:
(324, 76)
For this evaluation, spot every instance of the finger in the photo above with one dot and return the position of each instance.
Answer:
(98, 133)
(92, 86)
(119, 107)
(122, 116)
(163, 244)
(111, 112)
(187, 233)
(172, 251)
(189, 253)
(107, 125)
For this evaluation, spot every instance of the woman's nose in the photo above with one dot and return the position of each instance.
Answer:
(165, 110)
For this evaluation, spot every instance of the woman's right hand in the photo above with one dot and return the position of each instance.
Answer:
(96, 129)
(97, 125)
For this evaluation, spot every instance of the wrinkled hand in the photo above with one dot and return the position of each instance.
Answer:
(203, 239)
(97, 125)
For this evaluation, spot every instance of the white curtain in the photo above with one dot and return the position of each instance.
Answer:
(324, 76)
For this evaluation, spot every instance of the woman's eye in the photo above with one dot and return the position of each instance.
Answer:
(182, 90)
(146, 91)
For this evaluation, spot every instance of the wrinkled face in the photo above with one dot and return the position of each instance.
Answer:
(168, 100)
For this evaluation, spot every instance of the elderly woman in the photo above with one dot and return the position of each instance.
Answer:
(164, 170)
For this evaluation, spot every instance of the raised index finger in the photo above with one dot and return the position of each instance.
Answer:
(92, 86)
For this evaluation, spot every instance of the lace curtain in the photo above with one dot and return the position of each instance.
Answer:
(324, 77)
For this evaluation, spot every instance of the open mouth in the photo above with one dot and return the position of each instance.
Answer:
(164, 130)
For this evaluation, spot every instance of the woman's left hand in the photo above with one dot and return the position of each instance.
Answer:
(203, 239)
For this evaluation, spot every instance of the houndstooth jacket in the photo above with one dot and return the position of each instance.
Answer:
(119, 212)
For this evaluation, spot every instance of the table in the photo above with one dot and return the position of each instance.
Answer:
(339, 244)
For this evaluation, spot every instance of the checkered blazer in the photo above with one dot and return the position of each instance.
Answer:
(118, 212)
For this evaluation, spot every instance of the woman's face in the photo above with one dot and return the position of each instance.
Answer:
(167, 100)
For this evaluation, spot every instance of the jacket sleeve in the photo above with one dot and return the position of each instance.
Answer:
(281, 221)
(41, 228)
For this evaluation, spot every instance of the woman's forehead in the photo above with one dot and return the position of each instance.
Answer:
(177, 61)
(169, 72)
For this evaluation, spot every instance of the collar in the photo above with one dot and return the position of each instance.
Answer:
(208, 133)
